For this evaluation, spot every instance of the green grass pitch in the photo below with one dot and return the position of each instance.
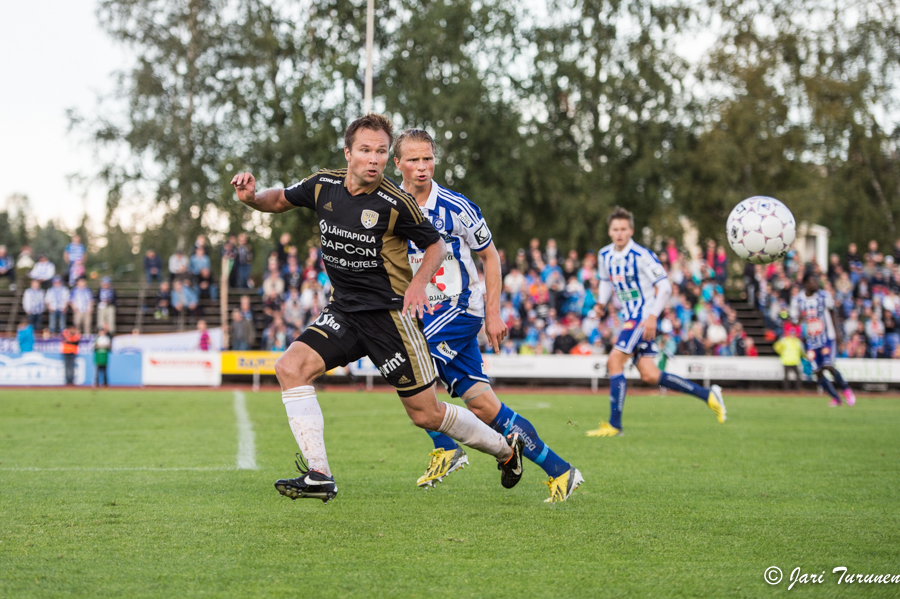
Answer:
(136, 494)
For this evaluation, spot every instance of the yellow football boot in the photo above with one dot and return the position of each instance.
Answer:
(563, 485)
(605, 430)
(442, 463)
(716, 403)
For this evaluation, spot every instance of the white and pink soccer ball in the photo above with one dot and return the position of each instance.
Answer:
(761, 230)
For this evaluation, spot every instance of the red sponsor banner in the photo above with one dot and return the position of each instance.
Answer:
(182, 368)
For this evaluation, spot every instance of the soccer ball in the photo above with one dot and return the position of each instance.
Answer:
(761, 230)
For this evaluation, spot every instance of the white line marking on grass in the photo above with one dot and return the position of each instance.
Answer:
(246, 454)
(136, 469)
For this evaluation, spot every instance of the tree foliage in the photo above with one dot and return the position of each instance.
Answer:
(546, 114)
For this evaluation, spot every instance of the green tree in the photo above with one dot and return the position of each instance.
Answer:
(612, 107)
(170, 130)
(436, 78)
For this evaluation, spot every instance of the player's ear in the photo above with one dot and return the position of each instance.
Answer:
(347, 153)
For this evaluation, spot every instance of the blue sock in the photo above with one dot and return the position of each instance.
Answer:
(507, 422)
(828, 386)
(839, 380)
(676, 383)
(617, 388)
(442, 441)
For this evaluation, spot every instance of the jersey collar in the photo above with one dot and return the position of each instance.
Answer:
(625, 250)
(431, 202)
(368, 190)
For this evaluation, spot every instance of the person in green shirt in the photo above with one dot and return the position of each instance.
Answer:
(101, 356)
(790, 349)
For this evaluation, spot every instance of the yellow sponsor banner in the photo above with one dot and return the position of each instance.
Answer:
(263, 362)
(248, 362)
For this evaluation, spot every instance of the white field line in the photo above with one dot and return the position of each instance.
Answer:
(135, 469)
(246, 454)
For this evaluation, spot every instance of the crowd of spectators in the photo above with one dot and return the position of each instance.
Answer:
(548, 301)
(549, 304)
(866, 292)
(52, 297)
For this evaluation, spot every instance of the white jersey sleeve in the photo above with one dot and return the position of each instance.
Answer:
(829, 300)
(651, 268)
(602, 266)
(471, 227)
(795, 308)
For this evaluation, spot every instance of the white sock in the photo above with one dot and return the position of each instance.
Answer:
(465, 427)
(308, 425)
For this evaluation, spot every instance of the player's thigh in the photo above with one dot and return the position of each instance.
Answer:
(616, 361)
(395, 344)
(327, 343)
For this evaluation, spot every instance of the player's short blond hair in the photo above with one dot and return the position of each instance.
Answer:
(620, 213)
(373, 122)
(413, 135)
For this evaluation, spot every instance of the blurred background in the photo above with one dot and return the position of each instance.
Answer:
(125, 121)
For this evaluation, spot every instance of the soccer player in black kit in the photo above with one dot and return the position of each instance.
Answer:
(365, 222)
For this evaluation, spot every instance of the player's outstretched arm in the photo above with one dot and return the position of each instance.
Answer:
(416, 296)
(269, 200)
(493, 325)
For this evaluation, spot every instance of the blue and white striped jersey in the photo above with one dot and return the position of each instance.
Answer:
(633, 273)
(460, 223)
(815, 312)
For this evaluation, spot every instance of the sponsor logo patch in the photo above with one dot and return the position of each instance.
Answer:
(385, 196)
(328, 207)
(482, 235)
(392, 364)
(327, 320)
(464, 219)
(444, 349)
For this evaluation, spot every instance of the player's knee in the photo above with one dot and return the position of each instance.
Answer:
(426, 419)
(650, 378)
(281, 369)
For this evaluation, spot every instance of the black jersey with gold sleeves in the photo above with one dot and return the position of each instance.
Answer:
(364, 238)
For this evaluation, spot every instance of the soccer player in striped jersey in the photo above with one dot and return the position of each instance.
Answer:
(459, 311)
(813, 309)
(634, 274)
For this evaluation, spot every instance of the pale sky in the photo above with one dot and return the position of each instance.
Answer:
(54, 57)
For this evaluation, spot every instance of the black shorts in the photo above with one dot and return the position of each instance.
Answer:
(393, 342)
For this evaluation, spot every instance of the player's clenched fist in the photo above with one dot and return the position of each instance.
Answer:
(245, 186)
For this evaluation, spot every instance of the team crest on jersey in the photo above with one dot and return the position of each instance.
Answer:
(369, 218)
(438, 224)
(629, 324)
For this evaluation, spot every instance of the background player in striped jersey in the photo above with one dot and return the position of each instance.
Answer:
(634, 274)
(813, 309)
(459, 311)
